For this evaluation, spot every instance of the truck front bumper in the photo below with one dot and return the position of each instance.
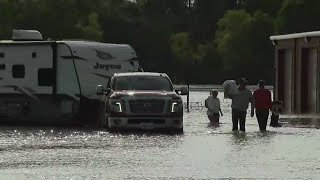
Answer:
(145, 122)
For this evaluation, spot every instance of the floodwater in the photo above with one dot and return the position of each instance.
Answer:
(202, 152)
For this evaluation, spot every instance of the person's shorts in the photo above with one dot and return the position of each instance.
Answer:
(214, 117)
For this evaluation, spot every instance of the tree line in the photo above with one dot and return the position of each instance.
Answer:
(202, 41)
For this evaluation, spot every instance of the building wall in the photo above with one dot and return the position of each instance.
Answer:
(297, 74)
(284, 64)
(307, 56)
(312, 80)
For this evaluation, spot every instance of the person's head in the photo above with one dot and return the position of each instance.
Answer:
(243, 83)
(214, 93)
(261, 83)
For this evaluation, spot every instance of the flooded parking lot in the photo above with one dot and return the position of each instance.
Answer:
(202, 152)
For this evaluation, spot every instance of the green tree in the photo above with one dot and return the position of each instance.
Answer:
(298, 16)
(187, 53)
(204, 17)
(6, 18)
(262, 26)
(243, 43)
(91, 29)
(57, 19)
(168, 33)
(270, 7)
(184, 50)
(232, 42)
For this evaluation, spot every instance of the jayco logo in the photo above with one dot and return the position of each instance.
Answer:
(106, 66)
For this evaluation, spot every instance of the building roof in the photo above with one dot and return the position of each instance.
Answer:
(295, 35)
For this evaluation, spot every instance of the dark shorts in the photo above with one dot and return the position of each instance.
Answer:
(238, 117)
(214, 118)
(262, 117)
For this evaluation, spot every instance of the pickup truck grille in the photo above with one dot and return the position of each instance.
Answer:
(146, 106)
(138, 121)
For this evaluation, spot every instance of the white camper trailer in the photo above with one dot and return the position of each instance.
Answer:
(44, 80)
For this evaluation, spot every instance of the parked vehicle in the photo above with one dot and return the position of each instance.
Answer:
(54, 81)
(142, 100)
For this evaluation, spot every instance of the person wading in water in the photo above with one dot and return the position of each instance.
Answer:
(240, 104)
(263, 104)
(213, 105)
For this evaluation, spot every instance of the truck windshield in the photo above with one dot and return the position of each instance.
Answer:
(142, 83)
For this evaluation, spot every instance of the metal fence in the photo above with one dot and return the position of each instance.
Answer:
(201, 105)
(194, 105)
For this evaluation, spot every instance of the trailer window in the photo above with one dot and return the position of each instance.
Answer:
(34, 54)
(1, 55)
(18, 71)
(2, 66)
(45, 77)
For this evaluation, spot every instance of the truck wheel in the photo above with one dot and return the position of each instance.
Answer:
(106, 122)
(180, 130)
(113, 130)
(101, 118)
(177, 130)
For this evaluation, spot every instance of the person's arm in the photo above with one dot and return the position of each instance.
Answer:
(205, 103)
(269, 100)
(254, 97)
(219, 105)
(252, 102)
(220, 112)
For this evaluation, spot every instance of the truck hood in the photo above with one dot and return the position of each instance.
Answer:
(118, 94)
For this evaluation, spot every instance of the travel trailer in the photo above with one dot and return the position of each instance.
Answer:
(55, 81)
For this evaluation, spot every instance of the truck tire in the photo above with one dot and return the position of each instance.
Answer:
(179, 130)
(100, 115)
(176, 130)
(106, 123)
(92, 113)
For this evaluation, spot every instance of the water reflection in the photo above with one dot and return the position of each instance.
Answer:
(252, 139)
(55, 138)
(239, 137)
(301, 122)
(202, 152)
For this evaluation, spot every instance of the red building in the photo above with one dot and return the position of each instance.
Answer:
(297, 69)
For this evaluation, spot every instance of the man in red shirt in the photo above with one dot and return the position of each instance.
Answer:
(263, 104)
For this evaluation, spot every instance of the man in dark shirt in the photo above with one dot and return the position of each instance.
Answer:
(263, 104)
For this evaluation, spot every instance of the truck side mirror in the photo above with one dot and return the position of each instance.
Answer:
(182, 91)
(107, 92)
(99, 89)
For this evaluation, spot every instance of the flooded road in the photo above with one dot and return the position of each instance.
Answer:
(202, 152)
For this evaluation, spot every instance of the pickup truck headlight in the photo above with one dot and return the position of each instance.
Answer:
(115, 105)
(176, 106)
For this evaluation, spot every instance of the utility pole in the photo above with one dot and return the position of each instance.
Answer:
(188, 101)
(187, 75)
